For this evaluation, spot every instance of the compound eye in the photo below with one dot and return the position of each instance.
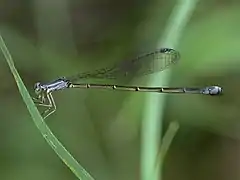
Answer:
(37, 88)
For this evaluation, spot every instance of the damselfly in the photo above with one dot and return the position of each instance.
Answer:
(149, 63)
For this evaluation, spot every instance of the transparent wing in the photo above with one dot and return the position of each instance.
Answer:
(148, 63)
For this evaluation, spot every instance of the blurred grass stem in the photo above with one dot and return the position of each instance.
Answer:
(154, 106)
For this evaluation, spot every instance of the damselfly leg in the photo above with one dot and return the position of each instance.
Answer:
(46, 100)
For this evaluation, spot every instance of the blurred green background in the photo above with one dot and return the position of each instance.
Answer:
(102, 129)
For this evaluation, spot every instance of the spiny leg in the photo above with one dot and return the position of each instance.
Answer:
(51, 106)
(40, 102)
(37, 100)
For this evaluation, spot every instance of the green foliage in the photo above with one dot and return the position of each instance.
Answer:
(53, 142)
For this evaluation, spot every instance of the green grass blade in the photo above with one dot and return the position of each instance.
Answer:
(166, 142)
(59, 149)
(153, 112)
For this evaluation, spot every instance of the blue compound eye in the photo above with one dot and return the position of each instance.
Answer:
(37, 88)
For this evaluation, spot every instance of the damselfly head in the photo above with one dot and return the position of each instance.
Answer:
(38, 88)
